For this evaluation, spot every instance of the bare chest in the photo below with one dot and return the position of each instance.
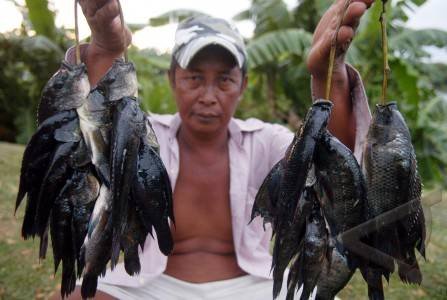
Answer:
(201, 197)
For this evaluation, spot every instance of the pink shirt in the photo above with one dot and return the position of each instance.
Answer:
(254, 147)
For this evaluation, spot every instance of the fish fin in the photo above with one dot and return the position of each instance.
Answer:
(68, 277)
(89, 285)
(267, 195)
(131, 261)
(375, 285)
(164, 237)
(43, 245)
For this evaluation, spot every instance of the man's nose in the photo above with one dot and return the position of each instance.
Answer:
(209, 96)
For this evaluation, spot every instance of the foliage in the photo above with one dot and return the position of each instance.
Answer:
(153, 85)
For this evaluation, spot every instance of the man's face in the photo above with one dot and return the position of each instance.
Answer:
(207, 92)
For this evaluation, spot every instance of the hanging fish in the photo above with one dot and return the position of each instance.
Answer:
(390, 169)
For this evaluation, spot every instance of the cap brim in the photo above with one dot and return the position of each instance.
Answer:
(185, 55)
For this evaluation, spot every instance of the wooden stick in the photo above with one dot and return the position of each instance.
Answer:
(386, 66)
(77, 48)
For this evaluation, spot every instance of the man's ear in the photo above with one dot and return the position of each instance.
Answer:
(244, 84)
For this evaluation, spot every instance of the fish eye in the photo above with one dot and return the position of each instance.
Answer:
(58, 84)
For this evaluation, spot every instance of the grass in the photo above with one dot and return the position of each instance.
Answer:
(23, 276)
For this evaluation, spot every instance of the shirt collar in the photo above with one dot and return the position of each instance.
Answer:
(236, 127)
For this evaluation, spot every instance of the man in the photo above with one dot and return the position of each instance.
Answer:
(217, 163)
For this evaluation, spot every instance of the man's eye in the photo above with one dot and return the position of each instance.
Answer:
(195, 78)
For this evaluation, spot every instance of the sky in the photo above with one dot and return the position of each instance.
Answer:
(430, 15)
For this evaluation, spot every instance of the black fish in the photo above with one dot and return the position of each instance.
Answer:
(152, 193)
(128, 129)
(297, 163)
(313, 250)
(342, 187)
(36, 161)
(390, 168)
(66, 90)
(266, 200)
(86, 191)
(95, 118)
(334, 276)
(96, 251)
(120, 81)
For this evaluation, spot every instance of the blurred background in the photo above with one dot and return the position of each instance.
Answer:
(34, 35)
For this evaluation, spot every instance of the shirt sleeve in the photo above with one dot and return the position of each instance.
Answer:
(281, 137)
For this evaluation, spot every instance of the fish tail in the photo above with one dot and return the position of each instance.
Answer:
(89, 285)
(375, 285)
(43, 245)
(68, 278)
(409, 271)
(115, 249)
(131, 261)
(164, 237)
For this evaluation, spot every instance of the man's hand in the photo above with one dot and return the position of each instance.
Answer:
(317, 61)
(342, 123)
(103, 17)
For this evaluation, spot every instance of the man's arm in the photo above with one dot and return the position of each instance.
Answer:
(342, 123)
(109, 40)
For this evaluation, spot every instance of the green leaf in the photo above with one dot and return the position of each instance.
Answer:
(41, 18)
(274, 46)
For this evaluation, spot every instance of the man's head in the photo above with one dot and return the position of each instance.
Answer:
(208, 73)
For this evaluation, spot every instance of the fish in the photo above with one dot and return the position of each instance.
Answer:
(266, 200)
(120, 81)
(87, 189)
(152, 193)
(334, 277)
(36, 160)
(288, 243)
(342, 189)
(95, 119)
(58, 172)
(96, 250)
(128, 128)
(390, 169)
(134, 235)
(296, 166)
(62, 238)
(67, 89)
(314, 248)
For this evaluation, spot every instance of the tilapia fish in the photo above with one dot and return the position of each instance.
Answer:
(66, 90)
(120, 81)
(342, 187)
(152, 193)
(36, 159)
(334, 276)
(295, 168)
(307, 267)
(68, 225)
(390, 169)
(129, 126)
(95, 118)
(96, 250)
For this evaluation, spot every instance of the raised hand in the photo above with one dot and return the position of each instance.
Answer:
(317, 61)
(103, 17)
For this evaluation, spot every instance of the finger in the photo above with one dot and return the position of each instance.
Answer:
(355, 11)
(109, 11)
(90, 7)
(367, 2)
(344, 38)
